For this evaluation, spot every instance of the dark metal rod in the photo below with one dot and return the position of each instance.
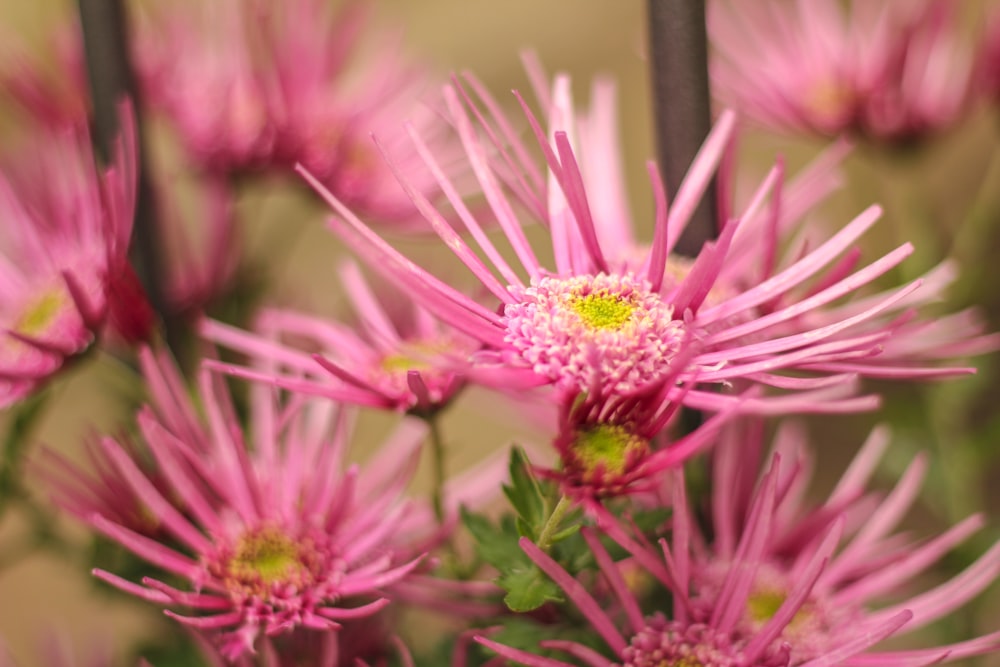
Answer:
(106, 51)
(681, 106)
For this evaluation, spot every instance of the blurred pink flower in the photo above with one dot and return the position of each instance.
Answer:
(201, 245)
(266, 542)
(871, 564)
(253, 85)
(55, 96)
(889, 71)
(63, 267)
(199, 63)
(397, 356)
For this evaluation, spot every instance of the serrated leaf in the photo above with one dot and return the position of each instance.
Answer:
(524, 492)
(495, 544)
(528, 588)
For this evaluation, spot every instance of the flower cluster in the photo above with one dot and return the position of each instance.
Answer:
(666, 524)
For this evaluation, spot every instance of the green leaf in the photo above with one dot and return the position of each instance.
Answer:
(495, 544)
(566, 532)
(528, 588)
(524, 492)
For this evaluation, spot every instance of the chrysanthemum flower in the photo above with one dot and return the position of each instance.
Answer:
(776, 590)
(63, 244)
(872, 563)
(254, 85)
(57, 99)
(612, 319)
(890, 71)
(265, 542)
(199, 67)
(398, 357)
(200, 247)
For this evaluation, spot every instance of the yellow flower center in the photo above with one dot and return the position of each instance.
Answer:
(413, 356)
(763, 605)
(268, 556)
(607, 447)
(603, 310)
(41, 313)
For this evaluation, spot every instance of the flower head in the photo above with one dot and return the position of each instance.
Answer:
(870, 563)
(771, 582)
(615, 319)
(266, 543)
(253, 85)
(398, 356)
(63, 251)
(889, 71)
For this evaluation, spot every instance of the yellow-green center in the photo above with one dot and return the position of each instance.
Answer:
(41, 313)
(269, 556)
(607, 447)
(763, 605)
(683, 662)
(413, 356)
(603, 311)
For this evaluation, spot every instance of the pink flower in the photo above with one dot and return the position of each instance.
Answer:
(253, 85)
(200, 68)
(201, 248)
(889, 71)
(57, 99)
(871, 563)
(771, 582)
(63, 265)
(397, 356)
(616, 319)
(265, 542)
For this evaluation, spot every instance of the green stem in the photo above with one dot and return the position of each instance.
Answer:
(437, 466)
(551, 526)
(15, 446)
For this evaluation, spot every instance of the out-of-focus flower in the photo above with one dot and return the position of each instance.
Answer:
(773, 582)
(201, 246)
(98, 487)
(63, 266)
(253, 85)
(871, 565)
(614, 319)
(266, 544)
(988, 67)
(199, 64)
(57, 98)
(889, 71)
(398, 356)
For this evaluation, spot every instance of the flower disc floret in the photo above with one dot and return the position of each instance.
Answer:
(584, 330)
(42, 312)
(670, 644)
(605, 450)
(267, 566)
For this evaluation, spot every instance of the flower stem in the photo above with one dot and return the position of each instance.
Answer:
(552, 524)
(15, 446)
(437, 466)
